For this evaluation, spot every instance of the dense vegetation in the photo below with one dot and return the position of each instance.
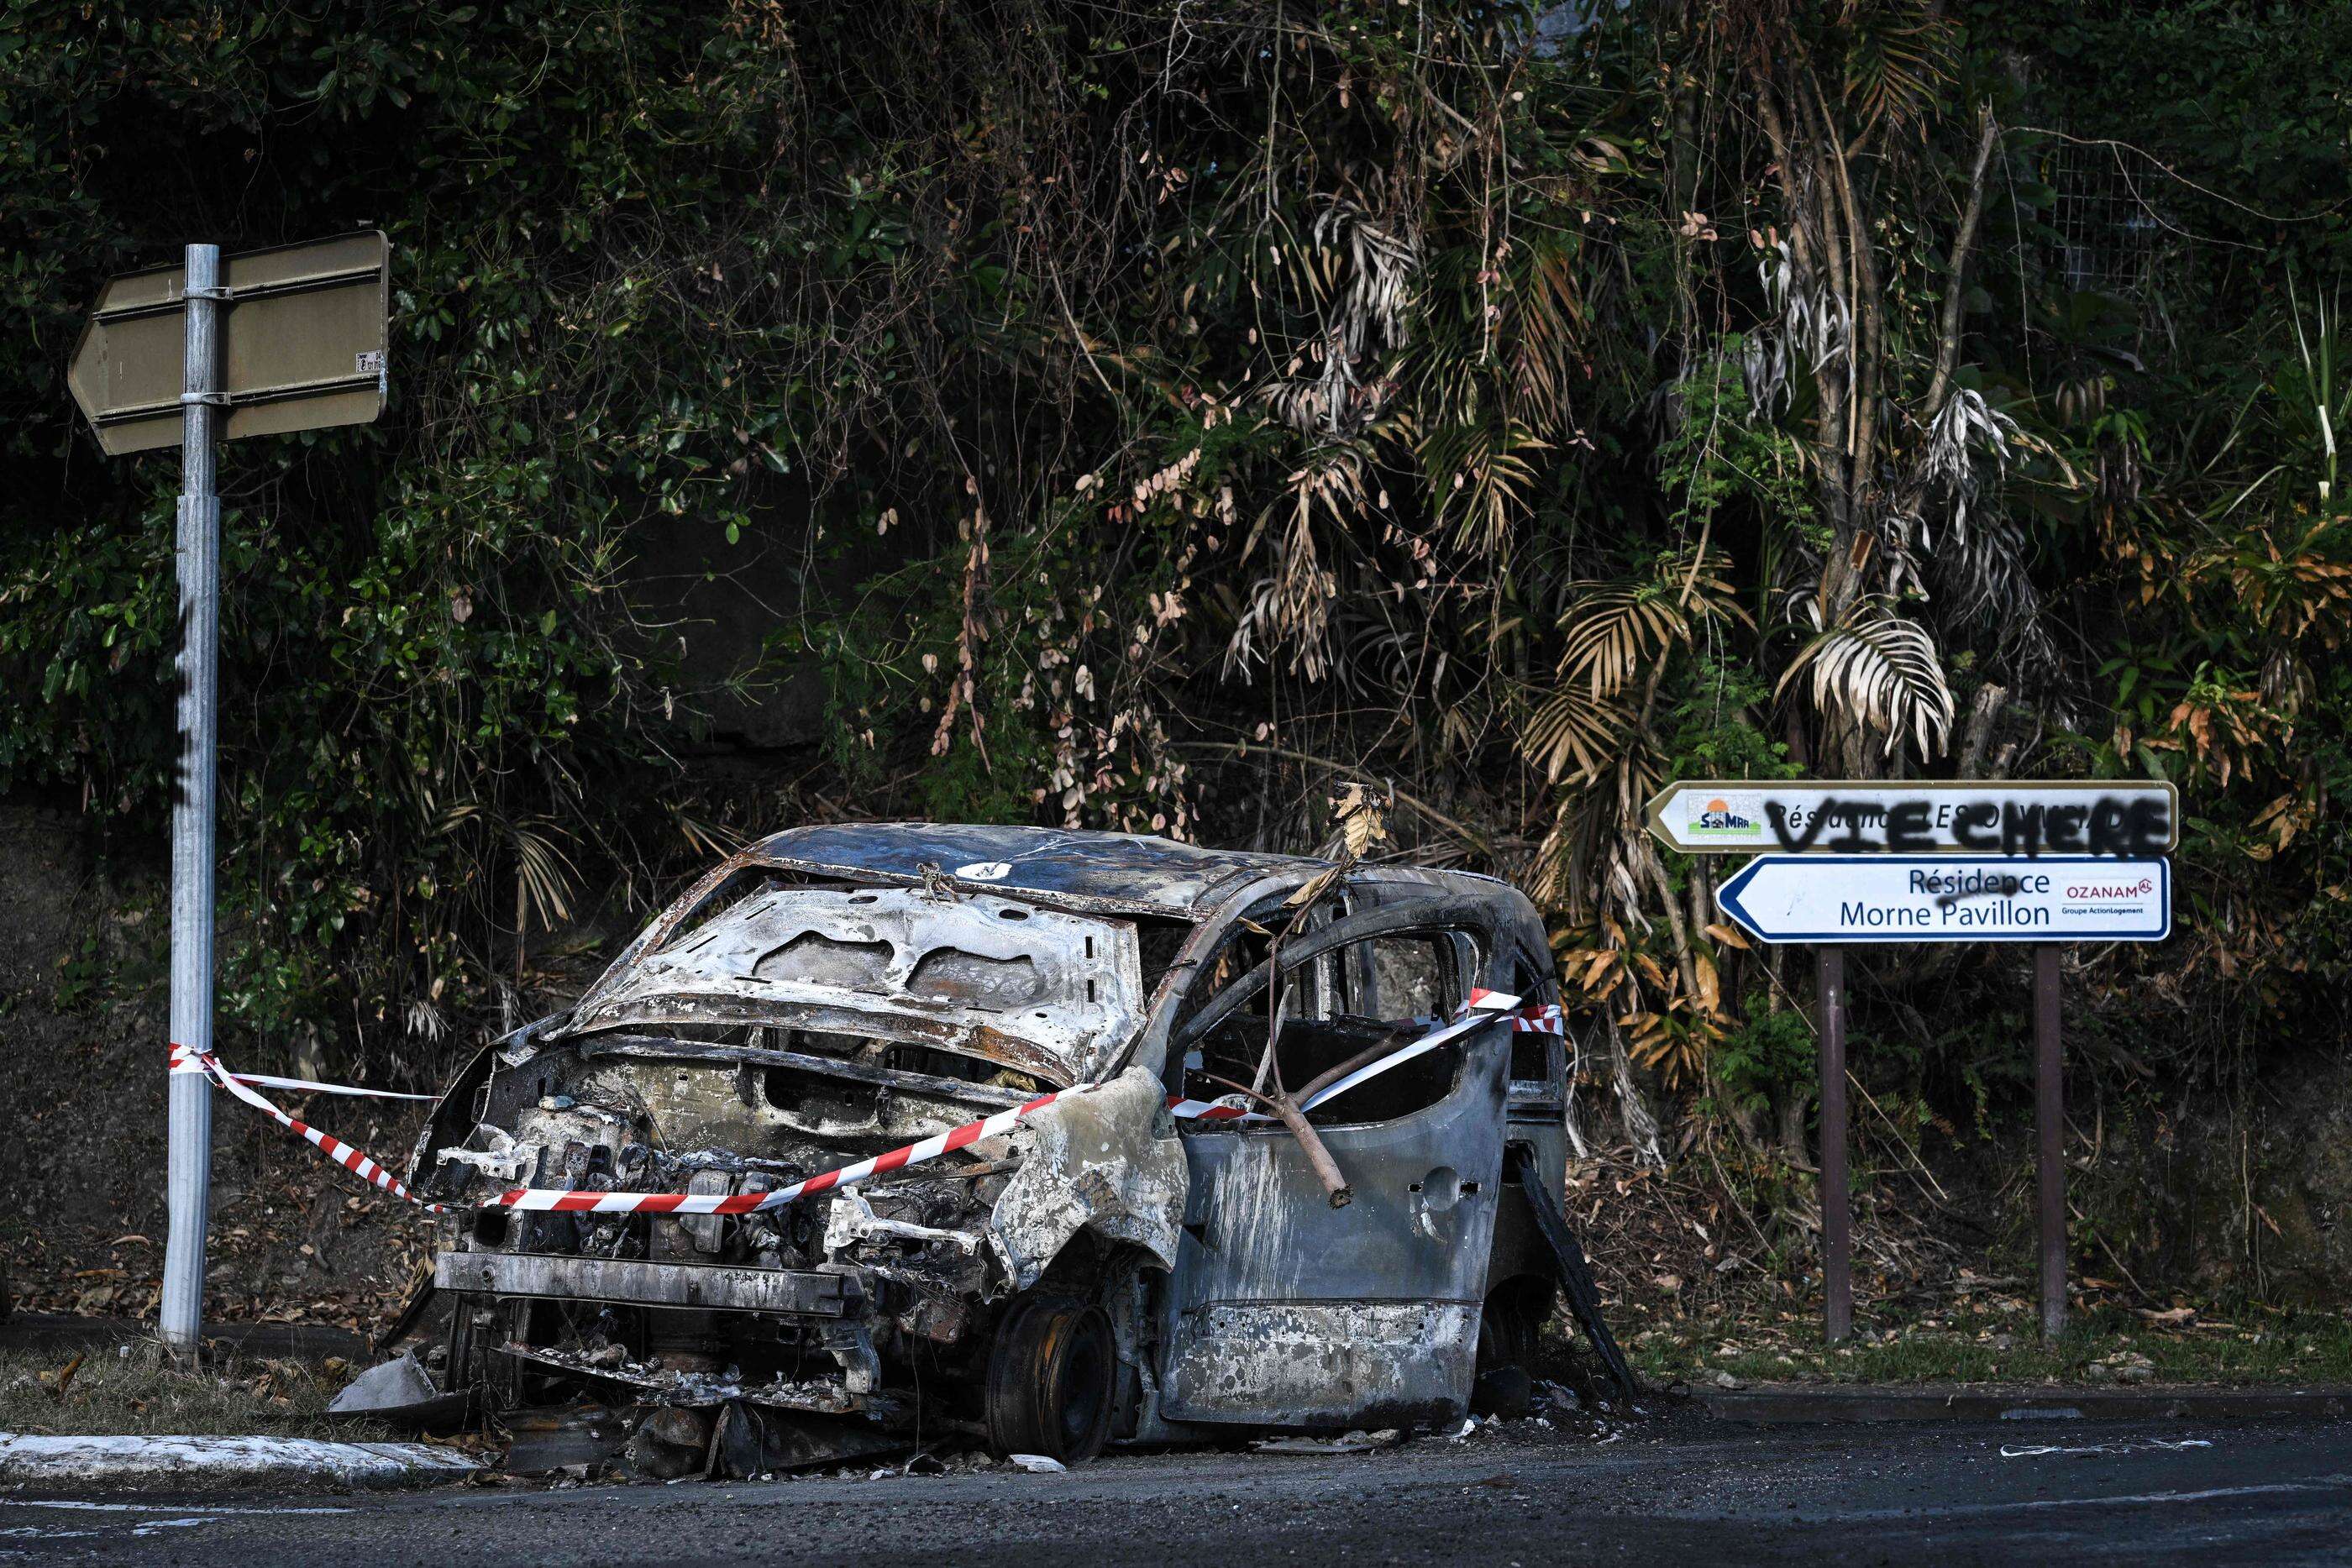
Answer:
(1154, 413)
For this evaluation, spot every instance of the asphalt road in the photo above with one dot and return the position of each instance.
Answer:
(1688, 1491)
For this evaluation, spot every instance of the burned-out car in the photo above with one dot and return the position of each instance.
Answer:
(1101, 1271)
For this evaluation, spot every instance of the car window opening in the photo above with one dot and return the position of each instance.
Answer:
(1338, 1009)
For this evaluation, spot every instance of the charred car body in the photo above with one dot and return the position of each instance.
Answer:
(1100, 1273)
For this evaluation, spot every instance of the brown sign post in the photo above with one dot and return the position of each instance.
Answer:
(1863, 861)
(1837, 1211)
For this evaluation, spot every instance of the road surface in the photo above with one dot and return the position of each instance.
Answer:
(1683, 1490)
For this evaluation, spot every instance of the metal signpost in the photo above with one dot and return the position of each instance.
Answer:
(300, 345)
(1841, 863)
(275, 340)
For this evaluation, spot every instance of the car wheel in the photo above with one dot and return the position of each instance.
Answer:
(1507, 1329)
(1052, 1375)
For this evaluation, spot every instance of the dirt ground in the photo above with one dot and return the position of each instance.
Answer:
(82, 1048)
(292, 1239)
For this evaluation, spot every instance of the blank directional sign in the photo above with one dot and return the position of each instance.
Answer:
(1950, 898)
(302, 344)
(1724, 816)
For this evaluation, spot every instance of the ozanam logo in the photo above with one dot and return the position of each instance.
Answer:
(2139, 889)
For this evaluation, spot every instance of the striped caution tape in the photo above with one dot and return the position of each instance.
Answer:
(555, 1201)
(1475, 1019)
(184, 1061)
(1483, 1005)
(353, 1160)
(1544, 1020)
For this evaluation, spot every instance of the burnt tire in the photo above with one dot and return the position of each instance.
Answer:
(1053, 1374)
(1510, 1327)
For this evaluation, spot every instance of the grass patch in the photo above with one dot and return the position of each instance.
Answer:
(2107, 1346)
(134, 1389)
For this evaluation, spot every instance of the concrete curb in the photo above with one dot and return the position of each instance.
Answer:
(182, 1463)
(1793, 1405)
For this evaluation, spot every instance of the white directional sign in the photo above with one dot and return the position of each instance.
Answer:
(1824, 817)
(1950, 898)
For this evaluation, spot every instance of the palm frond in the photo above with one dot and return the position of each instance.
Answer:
(1881, 671)
(1898, 61)
(1291, 606)
(544, 874)
(1574, 734)
(1547, 314)
(1481, 473)
(1615, 629)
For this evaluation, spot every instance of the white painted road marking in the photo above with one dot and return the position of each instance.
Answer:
(150, 1507)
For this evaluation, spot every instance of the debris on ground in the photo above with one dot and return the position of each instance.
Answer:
(2043, 1450)
(400, 1391)
(2122, 1366)
(1357, 1442)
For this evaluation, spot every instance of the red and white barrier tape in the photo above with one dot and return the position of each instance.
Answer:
(1546, 1020)
(1484, 1005)
(183, 1061)
(353, 1160)
(557, 1201)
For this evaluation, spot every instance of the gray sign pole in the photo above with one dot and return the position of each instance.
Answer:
(1837, 1204)
(189, 1181)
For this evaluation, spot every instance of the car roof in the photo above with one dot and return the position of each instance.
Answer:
(1126, 873)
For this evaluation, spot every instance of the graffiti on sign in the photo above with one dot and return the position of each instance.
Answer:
(2124, 821)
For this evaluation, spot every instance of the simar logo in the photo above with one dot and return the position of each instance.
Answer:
(1725, 818)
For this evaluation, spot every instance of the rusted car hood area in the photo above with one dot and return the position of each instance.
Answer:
(1131, 873)
(1040, 990)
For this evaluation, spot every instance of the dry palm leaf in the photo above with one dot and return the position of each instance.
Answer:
(1880, 671)
(1616, 630)
(1574, 734)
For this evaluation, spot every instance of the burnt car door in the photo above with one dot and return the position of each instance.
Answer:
(1285, 1309)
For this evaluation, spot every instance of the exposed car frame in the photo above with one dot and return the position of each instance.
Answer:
(1103, 1272)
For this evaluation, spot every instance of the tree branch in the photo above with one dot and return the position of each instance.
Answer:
(1948, 345)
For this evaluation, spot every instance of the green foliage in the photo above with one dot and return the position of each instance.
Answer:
(941, 329)
(1713, 724)
(1120, 418)
(81, 977)
(1766, 1054)
(1719, 445)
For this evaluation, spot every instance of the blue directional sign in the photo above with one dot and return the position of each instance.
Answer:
(1950, 898)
